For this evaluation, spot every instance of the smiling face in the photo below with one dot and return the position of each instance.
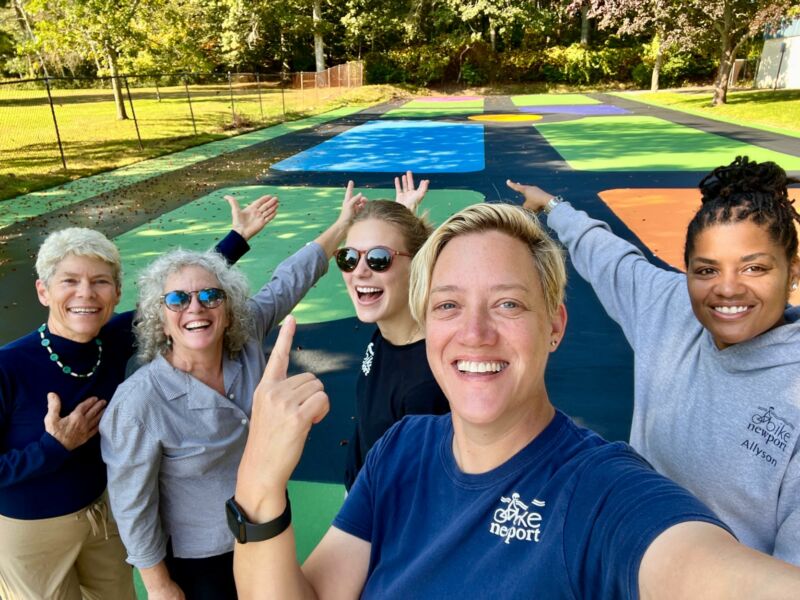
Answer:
(378, 297)
(739, 280)
(81, 296)
(197, 329)
(488, 334)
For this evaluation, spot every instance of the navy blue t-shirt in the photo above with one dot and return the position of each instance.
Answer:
(569, 516)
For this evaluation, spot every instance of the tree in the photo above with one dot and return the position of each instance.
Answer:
(667, 21)
(735, 22)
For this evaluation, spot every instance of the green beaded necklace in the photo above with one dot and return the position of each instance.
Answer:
(64, 368)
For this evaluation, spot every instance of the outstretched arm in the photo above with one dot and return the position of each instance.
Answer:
(701, 560)
(407, 194)
(641, 297)
(284, 410)
(333, 236)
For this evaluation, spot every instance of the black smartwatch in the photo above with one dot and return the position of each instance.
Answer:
(244, 531)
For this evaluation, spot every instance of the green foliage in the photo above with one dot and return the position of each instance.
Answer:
(570, 64)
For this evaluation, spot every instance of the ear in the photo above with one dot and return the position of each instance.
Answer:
(42, 293)
(558, 327)
(794, 275)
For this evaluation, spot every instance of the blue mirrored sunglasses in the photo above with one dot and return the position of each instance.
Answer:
(178, 300)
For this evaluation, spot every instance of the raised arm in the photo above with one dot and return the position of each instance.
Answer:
(700, 560)
(635, 293)
(330, 239)
(246, 223)
(284, 410)
(407, 194)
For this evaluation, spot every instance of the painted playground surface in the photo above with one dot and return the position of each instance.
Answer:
(630, 164)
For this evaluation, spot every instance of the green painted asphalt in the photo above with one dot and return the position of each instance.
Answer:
(304, 213)
(552, 99)
(41, 202)
(706, 115)
(648, 144)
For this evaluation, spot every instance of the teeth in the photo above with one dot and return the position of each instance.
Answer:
(367, 290)
(84, 311)
(730, 310)
(470, 366)
(197, 324)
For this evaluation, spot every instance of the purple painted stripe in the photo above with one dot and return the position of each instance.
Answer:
(575, 109)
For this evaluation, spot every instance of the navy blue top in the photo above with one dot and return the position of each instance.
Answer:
(569, 516)
(39, 478)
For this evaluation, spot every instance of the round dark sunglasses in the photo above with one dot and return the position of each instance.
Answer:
(178, 300)
(378, 258)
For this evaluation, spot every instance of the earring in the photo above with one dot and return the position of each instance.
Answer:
(553, 343)
(794, 286)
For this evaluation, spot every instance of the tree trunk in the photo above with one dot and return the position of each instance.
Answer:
(318, 44)
(727, 54)
(116, 87)
(585, 24)
(657, 66)
(492, 35)
(27, 33)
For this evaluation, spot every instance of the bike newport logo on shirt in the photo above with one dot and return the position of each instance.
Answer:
(517, 521)
(772, 434)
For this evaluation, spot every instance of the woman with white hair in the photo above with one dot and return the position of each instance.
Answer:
(58, 540)
(505, 496)
(174, 432)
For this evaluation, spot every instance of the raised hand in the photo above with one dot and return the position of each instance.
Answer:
(535, 197)
(78, 426)
(284, 409)
(248, 221)
(352, 204)
(407, 194)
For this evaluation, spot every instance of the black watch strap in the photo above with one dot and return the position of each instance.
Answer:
(244, 531)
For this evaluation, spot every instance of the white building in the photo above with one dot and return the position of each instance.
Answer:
(780, 58)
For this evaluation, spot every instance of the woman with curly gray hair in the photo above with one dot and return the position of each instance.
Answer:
(175, 431)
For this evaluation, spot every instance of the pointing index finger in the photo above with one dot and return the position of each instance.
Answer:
(278, 363)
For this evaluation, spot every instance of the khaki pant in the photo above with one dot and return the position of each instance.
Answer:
(76, 556)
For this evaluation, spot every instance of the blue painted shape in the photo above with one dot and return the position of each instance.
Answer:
(392, 146)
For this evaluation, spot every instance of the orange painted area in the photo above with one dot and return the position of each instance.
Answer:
(505, 118)
(659, 218)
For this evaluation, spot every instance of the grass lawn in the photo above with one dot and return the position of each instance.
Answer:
(778, 111)
(94, 140)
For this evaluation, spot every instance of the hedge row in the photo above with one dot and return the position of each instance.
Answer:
(476, 64)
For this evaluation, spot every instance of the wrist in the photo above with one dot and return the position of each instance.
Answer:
(552, 203)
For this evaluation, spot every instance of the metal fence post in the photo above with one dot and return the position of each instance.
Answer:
(133, 112)
(283, 94)
(189, 98)
(230, 89)
(55, 122)
(258, 87)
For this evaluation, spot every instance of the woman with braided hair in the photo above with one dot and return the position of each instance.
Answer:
(717, 350)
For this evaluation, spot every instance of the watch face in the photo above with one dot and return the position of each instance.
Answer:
(235, 521)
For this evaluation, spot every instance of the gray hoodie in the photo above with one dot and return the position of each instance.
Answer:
(723, 423)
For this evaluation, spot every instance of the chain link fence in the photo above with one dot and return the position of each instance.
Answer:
(74, 125)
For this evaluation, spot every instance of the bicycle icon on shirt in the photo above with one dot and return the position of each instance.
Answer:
(768, 418)
(517, 512)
